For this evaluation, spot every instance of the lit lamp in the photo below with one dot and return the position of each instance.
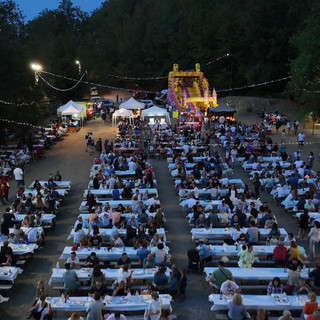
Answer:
(79, 65)
(37, 68)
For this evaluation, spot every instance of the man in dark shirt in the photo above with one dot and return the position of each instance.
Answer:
(96, 184)
(264, 207)
(8, 222)
(92, 260)
(99, 287)
(315, 274)
(123, 260)
(95, 240)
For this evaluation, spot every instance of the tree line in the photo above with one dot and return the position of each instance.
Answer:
(265, 39)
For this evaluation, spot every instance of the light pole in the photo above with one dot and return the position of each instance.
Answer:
(37, 68)
(79, 66)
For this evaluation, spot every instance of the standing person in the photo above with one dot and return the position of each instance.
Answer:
(304, 225)
(183, 284)
(283, 136)
(4, 188)
(18, 176)
(257, 184)
(288, 126)
(117, 98)
(278, 125)
(314, 236)
(301, 136)
(204, 253)
(236, 308)
(95, 308)
(153, 311)
(295, 126)
(70, 279)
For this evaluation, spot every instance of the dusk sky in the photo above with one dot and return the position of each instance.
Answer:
(31, 8)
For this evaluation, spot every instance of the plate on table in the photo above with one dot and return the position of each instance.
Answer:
(85, 270)
(77, 303)
(138, 272)
(122, 300)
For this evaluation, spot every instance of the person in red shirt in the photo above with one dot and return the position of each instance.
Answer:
(279, 254)
(314, 316)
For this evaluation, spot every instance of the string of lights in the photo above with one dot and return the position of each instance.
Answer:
(21, 123)
(89, 83)
(59, 89)
(226, 55)
(255, 85)
(135, 78)
(16, 104)
(147, 91)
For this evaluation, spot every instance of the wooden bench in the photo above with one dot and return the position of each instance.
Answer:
(6, 286)
(109, 287)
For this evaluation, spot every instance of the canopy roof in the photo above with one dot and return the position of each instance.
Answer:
(71, 108)
(122, 113)
(132, 104)
(222, 109)
(156, 112)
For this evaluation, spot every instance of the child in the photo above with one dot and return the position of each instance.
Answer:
(183, 284)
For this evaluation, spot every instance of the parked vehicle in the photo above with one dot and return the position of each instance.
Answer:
(161, 98)
(148, 103)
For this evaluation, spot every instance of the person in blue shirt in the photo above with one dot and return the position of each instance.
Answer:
(143, 252)
(96, 222)
(204, 253)
(133, 222)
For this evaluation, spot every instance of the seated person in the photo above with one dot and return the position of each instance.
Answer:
(303, 288)
(95, 240)
(116, 241)
(159, 254)
(229, 288)
(10, 260)
(92, 260)
(123, 260)
(121, 289)
(201, 222)
(149, 261)
(99, 287)
(116, 316)
(73, 260)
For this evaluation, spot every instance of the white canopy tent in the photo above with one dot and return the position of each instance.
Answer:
(72, 109)
(122, 113)
(156, 113)
(132, 104)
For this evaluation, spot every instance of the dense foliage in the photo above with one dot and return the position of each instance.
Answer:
(266, 40)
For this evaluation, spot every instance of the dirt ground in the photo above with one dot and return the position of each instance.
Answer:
(69, 157)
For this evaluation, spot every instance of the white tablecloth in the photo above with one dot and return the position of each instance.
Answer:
(108, 193)
(135, 303)
(107, 232)
(257, 273)
(60, 184)
(61, 192)
(258, 250)
(212, 233)
(9, 273)
(46, 218)
(256, 301)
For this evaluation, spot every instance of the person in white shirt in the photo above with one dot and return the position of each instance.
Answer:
(229, 288)
(132, 165)
(116, 316)
(18, 176)
(73, 260)
(159, 254)
(301, 140)
(33, 235)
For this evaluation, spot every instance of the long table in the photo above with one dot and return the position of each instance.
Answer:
(61, 192)
(266, 274)
(108, 192)
(133, 303)
(90, 184)
(20, 249)
(60, 184)
(108, 232)
(110, 274)
(9, 273)
(113, 204)
(218, 233)
(253, 302)
(104, 253)
(260, 250)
